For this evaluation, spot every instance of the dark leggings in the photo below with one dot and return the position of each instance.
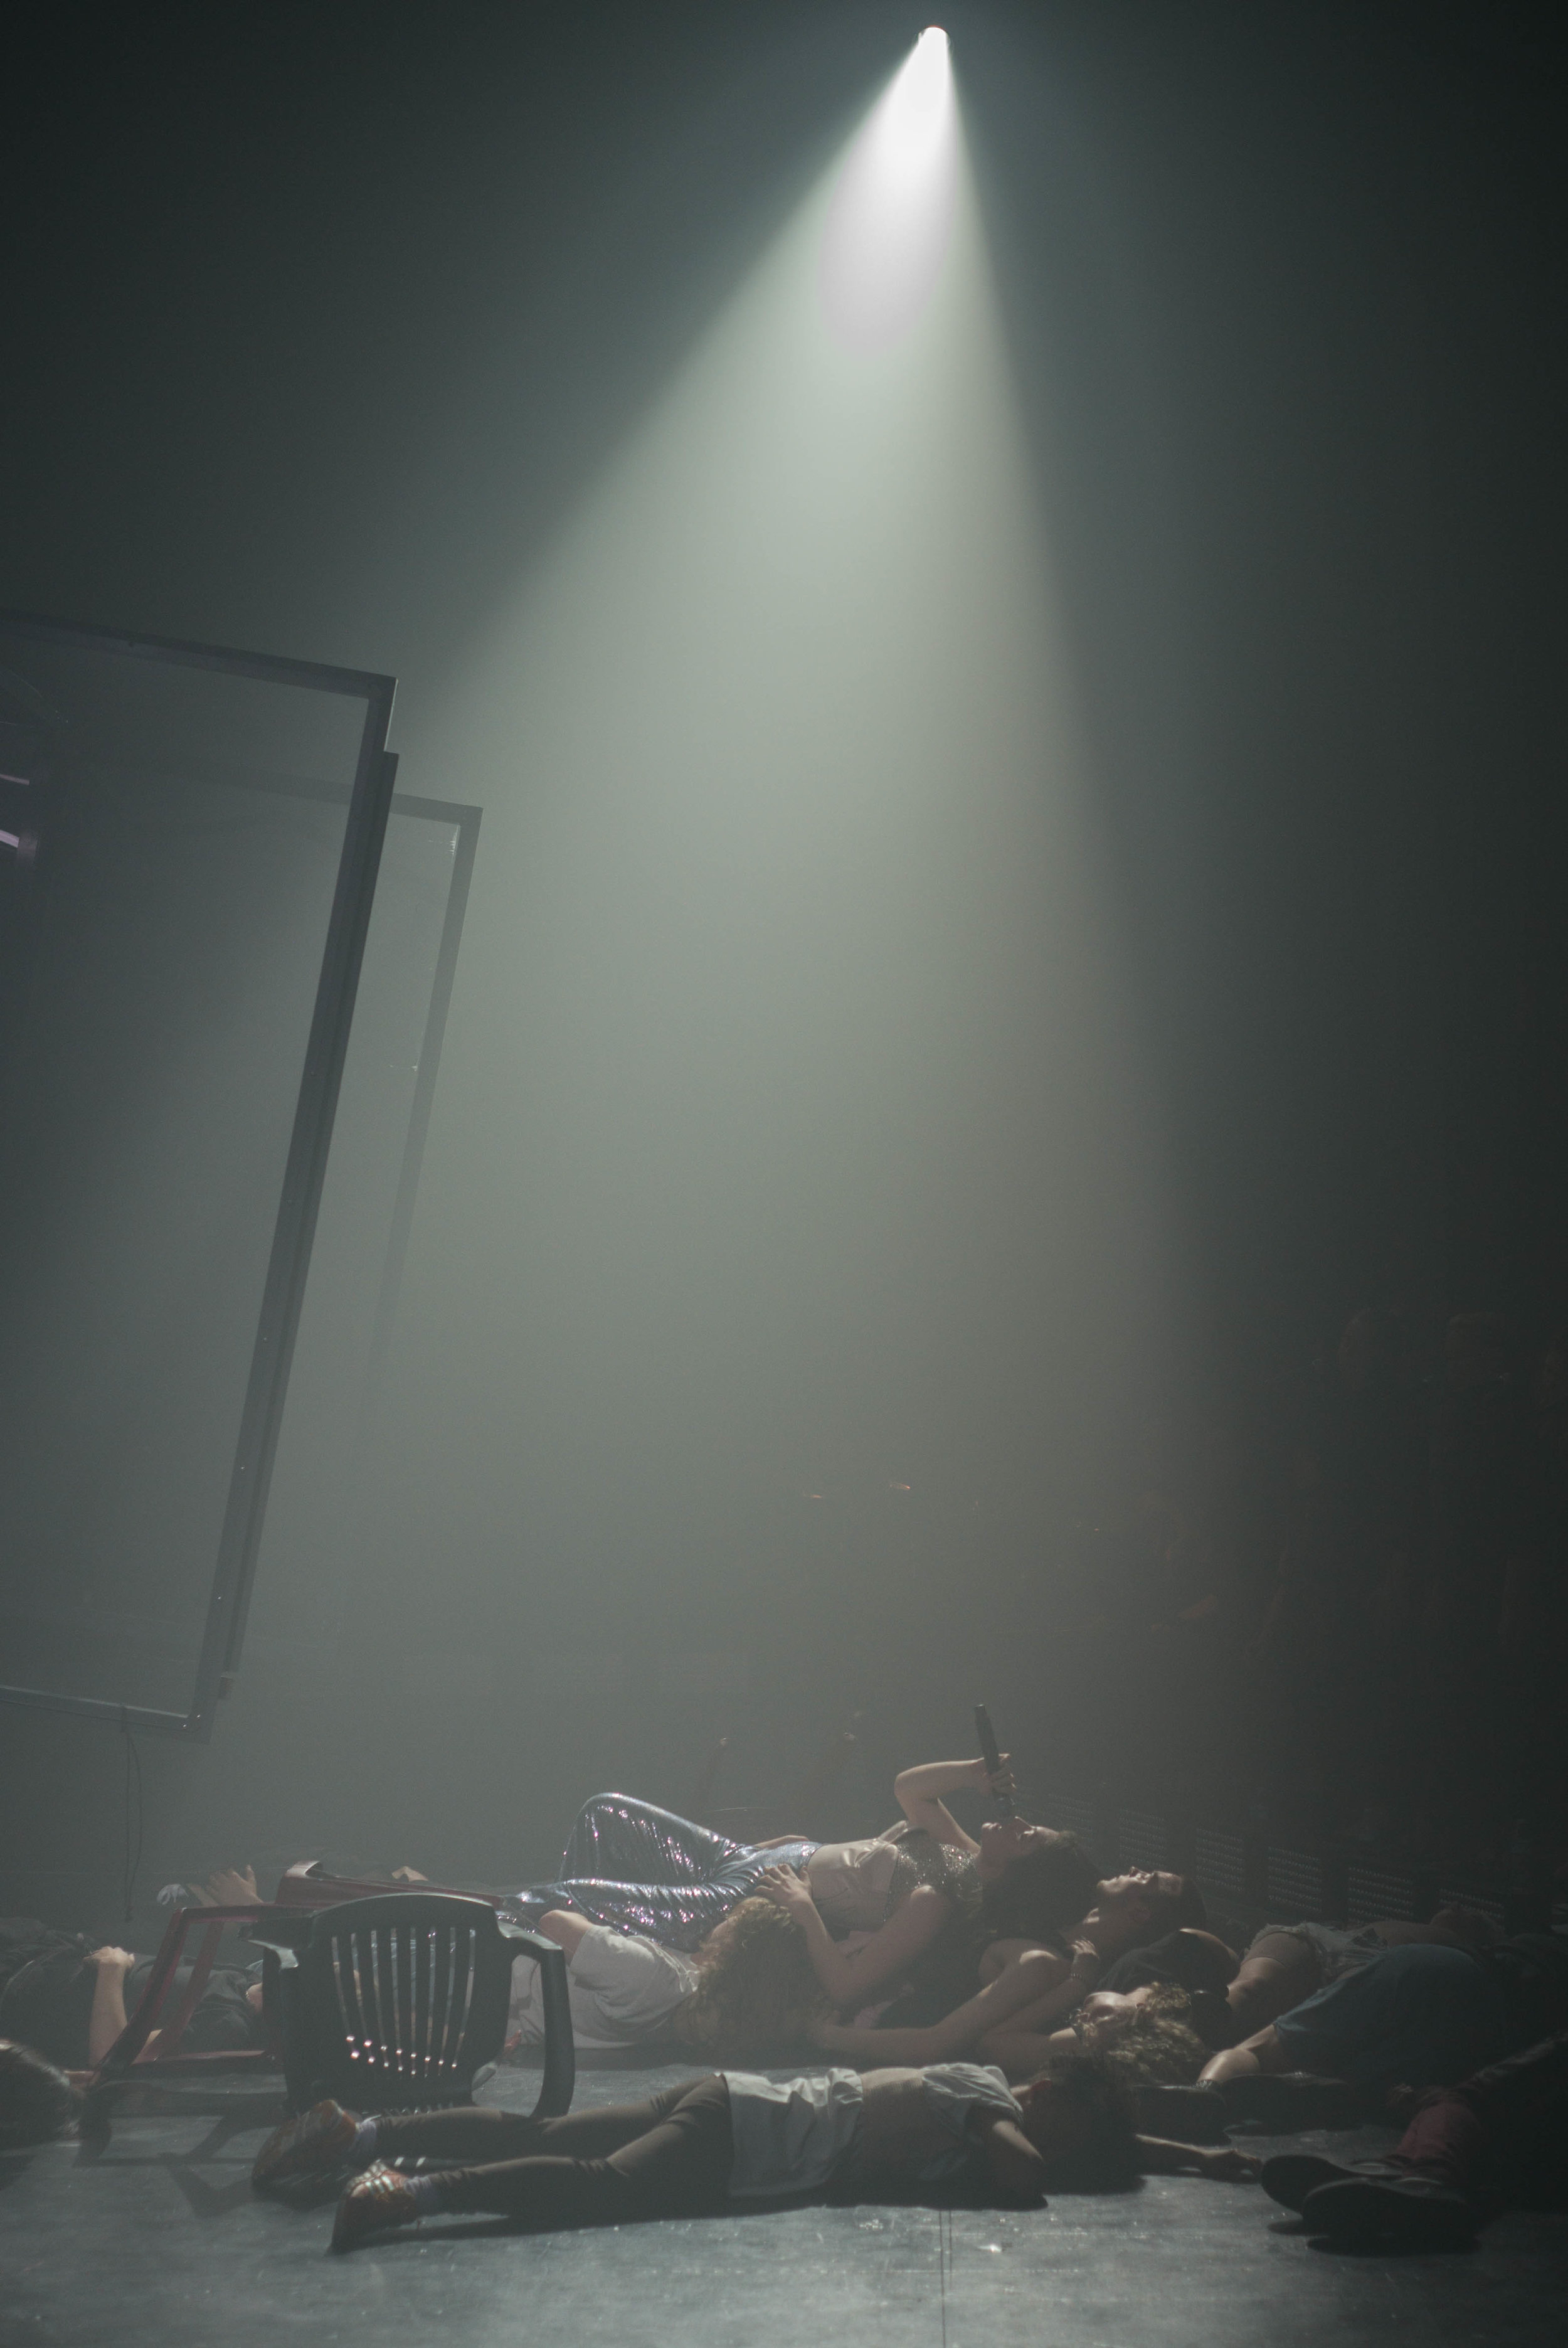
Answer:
(669, 2156)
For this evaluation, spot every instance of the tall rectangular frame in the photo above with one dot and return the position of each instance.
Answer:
(465, 820)
(370, 804)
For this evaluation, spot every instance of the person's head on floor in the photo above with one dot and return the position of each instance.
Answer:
(756, 1988)
(1145, 2036)
(1146, 1903)
(1081, 2120)
(1193, 1960)
(36, 2100)
(47, 2002)
(1033, 1879)
(1198, 1962)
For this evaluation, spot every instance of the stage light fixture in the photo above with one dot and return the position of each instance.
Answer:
(913, 116)
(890, 222)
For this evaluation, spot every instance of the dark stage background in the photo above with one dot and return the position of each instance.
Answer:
(738, 1387)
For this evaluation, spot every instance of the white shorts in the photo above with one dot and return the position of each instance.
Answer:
(622, 1987)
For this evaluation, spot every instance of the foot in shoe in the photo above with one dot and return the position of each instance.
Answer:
(311, 2145)
(1290, 2176)
(375, 2203)
(1409, 2213)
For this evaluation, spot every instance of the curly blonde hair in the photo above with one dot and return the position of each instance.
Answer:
(1159, 2047)
(755, 1989)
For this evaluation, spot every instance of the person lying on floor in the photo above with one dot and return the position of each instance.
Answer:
(995, 1912)
(734, 2138)
(235, 1887)
(69, 2001)
(754, 1988)
(631, 1865)
(1283, 1965)
(1145, 2035)
(1028, 1997)
(1417, 2016)
(37, 2100)
(750, 1993)
(1497, 2140)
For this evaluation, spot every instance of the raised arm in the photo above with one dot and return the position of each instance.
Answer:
(1023, 1984)
(919, 1793)
(847, 1976)
(106, 2023)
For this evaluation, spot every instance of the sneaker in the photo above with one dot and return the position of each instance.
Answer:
(1290, 2176)
(375, 2203)
(1401, 2213)
(311, 2144)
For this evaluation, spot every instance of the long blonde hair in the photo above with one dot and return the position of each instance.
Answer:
(756, 1992)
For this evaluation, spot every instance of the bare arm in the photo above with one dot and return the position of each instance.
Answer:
(1021, 2044)
(106, 2023)
(566, 1928)
(1158, 2157)
(228, 1887)
(1016, 2169)
(1019, 2049)
(998, 1955)
(957, 2031)
(1261, 2051)
(919, 1793)
(847, 1976)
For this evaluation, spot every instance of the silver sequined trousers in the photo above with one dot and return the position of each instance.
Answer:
(643, 1869)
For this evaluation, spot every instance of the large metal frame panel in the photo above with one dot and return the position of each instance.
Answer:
(123, 682)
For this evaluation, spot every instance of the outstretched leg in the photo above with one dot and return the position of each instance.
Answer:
(480, 2135)
(677, 2166)
(1468, 2151)
(327, 2139)
(639, 1868)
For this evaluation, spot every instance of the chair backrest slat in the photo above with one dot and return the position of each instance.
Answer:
(462, 2003)
(407, 1995)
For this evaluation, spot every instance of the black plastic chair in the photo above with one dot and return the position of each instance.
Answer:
(397, 2003)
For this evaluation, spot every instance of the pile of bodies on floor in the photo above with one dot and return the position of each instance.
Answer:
(984, 2016)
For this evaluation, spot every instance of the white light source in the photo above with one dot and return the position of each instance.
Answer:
(892, 212)
(912, 120)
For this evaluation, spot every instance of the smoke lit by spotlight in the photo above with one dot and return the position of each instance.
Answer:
(892, 212)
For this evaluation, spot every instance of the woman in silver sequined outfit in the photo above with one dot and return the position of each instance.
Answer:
(870, 1908)
(638, 1869)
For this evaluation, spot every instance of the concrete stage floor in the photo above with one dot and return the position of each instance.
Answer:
(161, 2240)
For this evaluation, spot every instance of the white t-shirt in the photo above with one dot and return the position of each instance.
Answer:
(790, 2135)
(793, 2135)
(953, 2093)
(621, 1987)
